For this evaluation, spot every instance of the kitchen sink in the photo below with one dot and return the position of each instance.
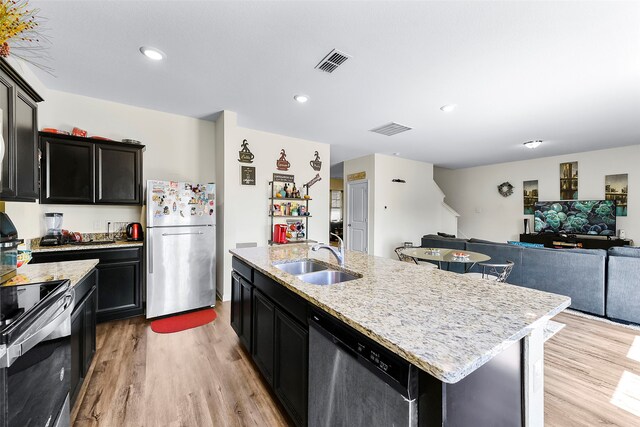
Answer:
(301, 267)
(327, 277)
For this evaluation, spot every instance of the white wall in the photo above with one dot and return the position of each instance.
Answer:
(487, 215)
(177, 148)
(246, 207)
(401, 212)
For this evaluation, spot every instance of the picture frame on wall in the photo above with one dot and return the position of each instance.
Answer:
(248, 175)
(530, 196)
(569, 181)
(616, 188)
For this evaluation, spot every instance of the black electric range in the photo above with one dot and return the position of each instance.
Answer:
(35, 353)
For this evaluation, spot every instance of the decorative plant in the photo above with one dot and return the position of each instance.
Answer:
(21, 33)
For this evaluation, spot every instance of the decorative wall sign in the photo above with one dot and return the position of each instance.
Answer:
(313, 181)
(530, 196)
(505, 189)
(247, 175)
(282, 164)
(282, 177)
(569, 181)
(616, 188)
(245, 155)
(357, 176)
(316, 164)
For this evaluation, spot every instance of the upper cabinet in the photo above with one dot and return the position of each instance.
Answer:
(19, 148)
(77, 170)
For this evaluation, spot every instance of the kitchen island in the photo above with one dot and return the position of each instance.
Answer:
(445, 324)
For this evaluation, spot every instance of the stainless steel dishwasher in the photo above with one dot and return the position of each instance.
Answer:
(354, 381)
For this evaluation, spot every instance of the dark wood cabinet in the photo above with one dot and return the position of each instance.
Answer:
(122, 294)
(83, 331)
(67, 171)
(19, 104)
(236, 304)
(279, 335)
(118, 175)
(77, 358)
(263, 334)
(291, 366)
(77, 170)
(120, 274)
(246, 297)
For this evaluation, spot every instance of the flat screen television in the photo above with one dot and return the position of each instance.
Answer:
(593, 217)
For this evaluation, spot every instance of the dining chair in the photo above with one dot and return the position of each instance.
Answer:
(403, 257)
(494, 271)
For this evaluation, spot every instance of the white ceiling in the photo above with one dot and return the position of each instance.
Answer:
(565, 72)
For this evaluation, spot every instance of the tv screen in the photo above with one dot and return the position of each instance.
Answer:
(595, 217)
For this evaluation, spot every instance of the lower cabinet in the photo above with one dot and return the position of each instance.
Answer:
(120, 272)
(291, 366)
(263, 334)
(83, 332)
(274, 331)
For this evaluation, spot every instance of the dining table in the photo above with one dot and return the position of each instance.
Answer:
(446, 255)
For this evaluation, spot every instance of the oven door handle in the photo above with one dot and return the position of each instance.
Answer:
(21, 347)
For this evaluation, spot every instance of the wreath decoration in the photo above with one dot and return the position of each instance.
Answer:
(505, 189)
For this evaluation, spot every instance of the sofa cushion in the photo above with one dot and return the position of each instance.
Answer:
(629, 251)
(577, 273)
(623, 288)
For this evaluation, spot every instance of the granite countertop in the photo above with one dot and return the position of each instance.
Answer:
(75, 247)
(445, 323)
(34, 273)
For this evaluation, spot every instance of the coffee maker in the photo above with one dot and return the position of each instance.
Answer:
(53, 222)
(8, 248)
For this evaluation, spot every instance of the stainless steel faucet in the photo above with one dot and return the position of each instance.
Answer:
(338, 253)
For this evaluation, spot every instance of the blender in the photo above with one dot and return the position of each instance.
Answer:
(53, 221)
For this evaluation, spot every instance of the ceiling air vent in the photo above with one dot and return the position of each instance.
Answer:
(333, 60)
(391, 129)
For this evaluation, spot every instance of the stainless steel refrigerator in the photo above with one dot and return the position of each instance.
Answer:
(181, 247)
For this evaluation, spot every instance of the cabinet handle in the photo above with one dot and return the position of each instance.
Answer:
(150, 251)
(182, 234)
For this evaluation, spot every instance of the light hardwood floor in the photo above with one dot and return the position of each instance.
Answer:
(202, 377)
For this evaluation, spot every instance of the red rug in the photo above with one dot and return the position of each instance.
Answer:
(182, 322)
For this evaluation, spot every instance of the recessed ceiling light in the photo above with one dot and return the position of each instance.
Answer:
(448, 108)
(301, 98)
(396, 154)
(533, 144)
(152, 53)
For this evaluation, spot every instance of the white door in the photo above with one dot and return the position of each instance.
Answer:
(357, 216)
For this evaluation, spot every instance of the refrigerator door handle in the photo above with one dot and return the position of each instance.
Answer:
(150, 250)
(181, 234)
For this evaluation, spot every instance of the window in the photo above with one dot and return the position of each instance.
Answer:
(336, 205)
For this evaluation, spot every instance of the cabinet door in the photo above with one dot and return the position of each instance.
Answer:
(89, 336)
(26, 125)
(263, 324)
(291, 371)
(77, 372)
(119, 175)
(7, 159)
(67, 171)
(236, 304)
(246, 296)
(119, 291)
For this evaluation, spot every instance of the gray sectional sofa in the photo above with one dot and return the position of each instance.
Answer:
(578, 273)
(623, 284)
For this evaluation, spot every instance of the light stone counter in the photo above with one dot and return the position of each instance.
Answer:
(445, 323)
(72, 270)
(72, 247)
